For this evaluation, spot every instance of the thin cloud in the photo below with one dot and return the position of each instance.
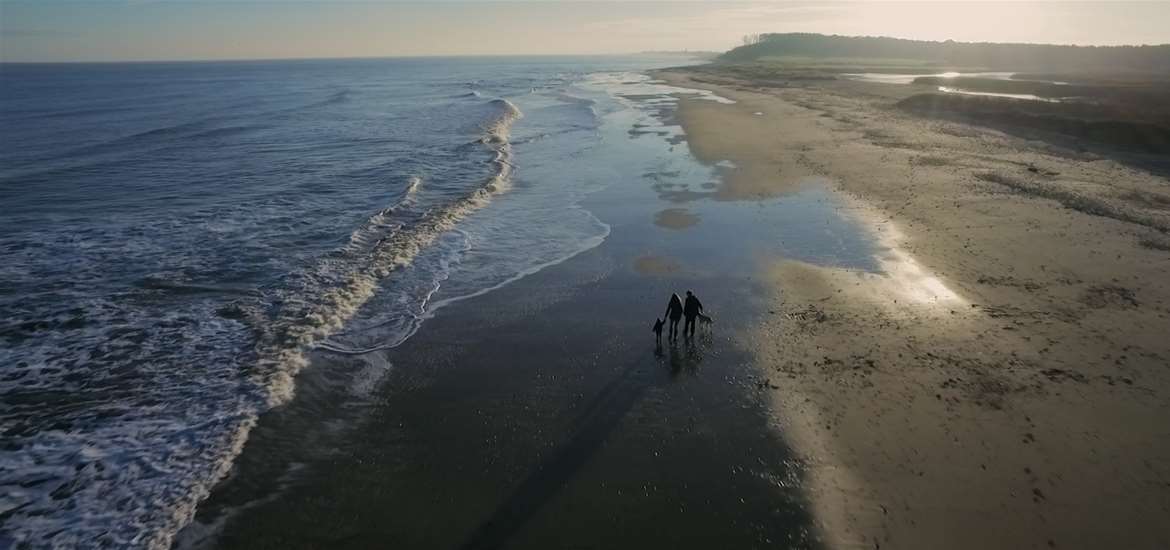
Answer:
(35, 33)
(721, 25)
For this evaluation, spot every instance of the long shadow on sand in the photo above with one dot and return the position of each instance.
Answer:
(593, 426)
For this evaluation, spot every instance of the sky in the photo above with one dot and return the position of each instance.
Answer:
(116, 30)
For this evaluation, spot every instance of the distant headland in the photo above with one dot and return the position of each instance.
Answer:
(1048, 57)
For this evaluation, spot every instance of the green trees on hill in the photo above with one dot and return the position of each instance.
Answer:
(1046, 57)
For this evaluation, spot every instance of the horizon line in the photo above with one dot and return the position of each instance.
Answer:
(352, 57)
(641, 52)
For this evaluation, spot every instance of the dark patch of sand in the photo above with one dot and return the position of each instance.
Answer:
(655, 265)
(675, 218)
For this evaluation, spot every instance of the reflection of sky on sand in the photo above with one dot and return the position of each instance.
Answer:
(640, 87)
(885, 78)
(890, 78)
(809, 222)
(1029, 97)
(909, 280)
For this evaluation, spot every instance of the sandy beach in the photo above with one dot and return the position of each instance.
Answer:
(1001, 381)
(413, 275)
(543, 414)
(928, 335)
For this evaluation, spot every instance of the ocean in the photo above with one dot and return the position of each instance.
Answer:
(179, 238)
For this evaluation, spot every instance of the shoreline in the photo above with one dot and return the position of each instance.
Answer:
(541, 413)
(891, 366)
(942, 401)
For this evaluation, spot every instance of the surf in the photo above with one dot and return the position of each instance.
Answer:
(167, 301)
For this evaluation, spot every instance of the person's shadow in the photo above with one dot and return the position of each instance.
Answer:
(676, 362)
(694, 354)
(598, 419)
(687, 358)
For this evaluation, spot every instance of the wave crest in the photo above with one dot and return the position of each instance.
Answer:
(499, 124)
(342, 283)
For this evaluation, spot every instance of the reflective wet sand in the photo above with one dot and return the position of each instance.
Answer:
(990, 380)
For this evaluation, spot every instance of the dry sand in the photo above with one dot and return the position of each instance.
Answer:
(1003, 382)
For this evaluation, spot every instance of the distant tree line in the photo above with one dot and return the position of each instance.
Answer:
(1046, 57)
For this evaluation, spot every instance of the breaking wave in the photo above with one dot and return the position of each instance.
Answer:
(133, 471)
(348, 279)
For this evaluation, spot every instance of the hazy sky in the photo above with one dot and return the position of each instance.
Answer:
(62, 30)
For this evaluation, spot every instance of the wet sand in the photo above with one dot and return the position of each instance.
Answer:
(1002, 379)
(675, 218)
(927, 335)
(542, 414)
(500, 428)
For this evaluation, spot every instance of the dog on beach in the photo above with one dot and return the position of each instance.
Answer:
(658, 330)
(706, 320)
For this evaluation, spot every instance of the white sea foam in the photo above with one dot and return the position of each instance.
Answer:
(384, 221)
(136, 481)
(160, 383)
(132, 481)
(341, 287)
(481, 255)
(624, 84)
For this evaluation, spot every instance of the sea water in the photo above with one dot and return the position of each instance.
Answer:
(177, 237)
(180, 241)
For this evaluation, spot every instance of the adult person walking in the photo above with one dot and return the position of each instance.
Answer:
(692, 308)
(674, 312)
